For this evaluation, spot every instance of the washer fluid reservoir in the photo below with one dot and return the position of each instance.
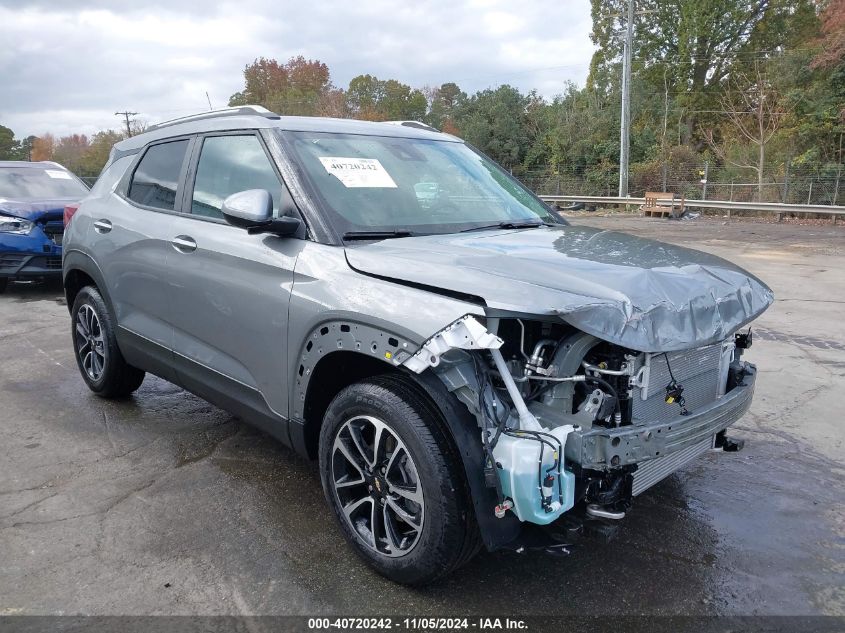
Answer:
(540, 492)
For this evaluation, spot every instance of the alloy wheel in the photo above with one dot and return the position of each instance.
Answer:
(90, 342)
(377, 486)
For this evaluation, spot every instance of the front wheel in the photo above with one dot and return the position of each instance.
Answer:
(94, 344)
(395, 483)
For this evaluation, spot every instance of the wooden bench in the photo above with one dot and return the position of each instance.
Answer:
(652, 208)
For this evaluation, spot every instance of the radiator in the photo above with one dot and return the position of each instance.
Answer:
(655, 470)
(702, 372)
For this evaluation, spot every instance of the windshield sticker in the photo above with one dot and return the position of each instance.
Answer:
(57, 173)
(358, 172)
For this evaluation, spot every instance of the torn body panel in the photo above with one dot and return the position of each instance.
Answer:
(605, 408)
(637, 293)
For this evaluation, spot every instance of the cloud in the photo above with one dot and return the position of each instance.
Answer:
(69, 69)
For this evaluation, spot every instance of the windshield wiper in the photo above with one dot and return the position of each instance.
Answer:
(507, 224)
(375, 235)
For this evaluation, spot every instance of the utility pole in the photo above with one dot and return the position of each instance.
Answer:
(126, 116)
(625, 127)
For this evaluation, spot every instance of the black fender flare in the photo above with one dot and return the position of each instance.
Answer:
(344, 335)
(463, 428)
(77, 260)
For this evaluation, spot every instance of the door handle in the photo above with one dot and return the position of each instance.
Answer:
(102, 226)
(184, 244)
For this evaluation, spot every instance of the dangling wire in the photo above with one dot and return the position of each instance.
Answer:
(674, 390)
(499, 423)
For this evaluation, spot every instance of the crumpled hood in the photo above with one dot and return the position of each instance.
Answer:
(34, 210)
(642, 294)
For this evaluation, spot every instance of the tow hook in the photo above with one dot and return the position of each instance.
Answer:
(596, 511)
(727, 444)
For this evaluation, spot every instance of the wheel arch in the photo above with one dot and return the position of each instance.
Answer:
(327, 368)
(319, 382)
(79, 270)
(337, 352)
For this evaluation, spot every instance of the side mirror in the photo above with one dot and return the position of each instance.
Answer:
(253, 210)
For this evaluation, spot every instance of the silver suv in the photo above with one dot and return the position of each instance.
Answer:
(469, 369)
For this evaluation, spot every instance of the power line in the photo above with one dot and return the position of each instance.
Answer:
(126, 114)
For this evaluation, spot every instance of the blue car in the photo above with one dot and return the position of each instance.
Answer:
(33, 197)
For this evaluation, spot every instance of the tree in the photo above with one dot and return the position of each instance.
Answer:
(695, 44)
(332, 103)
(755, 112)
(832, 41)
(97, 152)
(43, 147)
(26, 147)
(495, 122)
(363, 97)
(443, 102)
(9, 146)
(373, 99)
(70, 151)
(294, 88)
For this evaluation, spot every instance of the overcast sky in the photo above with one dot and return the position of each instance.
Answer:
(68, 65)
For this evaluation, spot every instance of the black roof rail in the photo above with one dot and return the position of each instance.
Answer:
(417, 124)
(246, 110)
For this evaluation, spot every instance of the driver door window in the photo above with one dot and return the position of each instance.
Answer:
(227, 165)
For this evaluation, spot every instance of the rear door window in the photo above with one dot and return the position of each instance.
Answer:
(156, 178)
(227, 165)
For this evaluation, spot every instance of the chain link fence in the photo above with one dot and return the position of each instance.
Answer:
(794, 185)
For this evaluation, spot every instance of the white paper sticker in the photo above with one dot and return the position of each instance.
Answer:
(58, 173)
(358, 172)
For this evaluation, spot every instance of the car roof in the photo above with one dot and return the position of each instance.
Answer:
(236, 121)
(44, 164)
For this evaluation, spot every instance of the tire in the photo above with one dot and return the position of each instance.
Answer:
(3, 283)
(98, 357)
(436, 535)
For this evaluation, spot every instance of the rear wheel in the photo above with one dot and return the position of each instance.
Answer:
(394, 483)
(3, 283)
(94, 344)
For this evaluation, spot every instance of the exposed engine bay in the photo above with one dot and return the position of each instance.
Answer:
(568, 418)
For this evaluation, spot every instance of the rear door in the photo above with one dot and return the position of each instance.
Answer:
(229, 291)
(132, 244)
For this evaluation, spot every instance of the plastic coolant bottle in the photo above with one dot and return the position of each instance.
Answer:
(518, 457)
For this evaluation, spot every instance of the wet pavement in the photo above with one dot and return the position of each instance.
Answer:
(164, 504)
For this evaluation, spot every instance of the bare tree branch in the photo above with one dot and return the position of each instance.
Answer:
(755, 112)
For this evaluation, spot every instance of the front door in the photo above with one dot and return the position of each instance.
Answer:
(229, 291)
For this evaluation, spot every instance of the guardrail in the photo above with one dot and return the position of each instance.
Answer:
(730, 206)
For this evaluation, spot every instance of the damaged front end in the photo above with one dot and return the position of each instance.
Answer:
(566, 419)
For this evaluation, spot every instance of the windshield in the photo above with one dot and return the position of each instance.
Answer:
(417, 186)
(32, 183)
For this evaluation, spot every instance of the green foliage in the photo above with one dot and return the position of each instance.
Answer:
(373, 99)
(495, 121)
(297, 87)
(70, 152)
(690, 47)
(444, 104)
(10, 148)
(97, 153)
